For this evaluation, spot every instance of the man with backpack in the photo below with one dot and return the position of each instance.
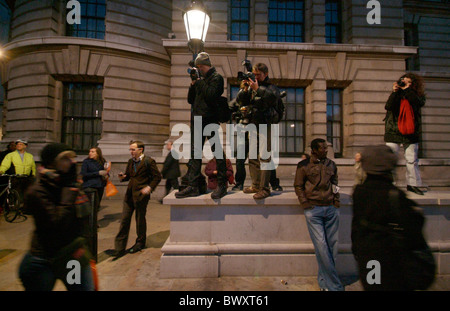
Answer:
(403, 123)
(266, 104)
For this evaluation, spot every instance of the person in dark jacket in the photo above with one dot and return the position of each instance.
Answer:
(412, 89)
(94, 173)
(374, 216)
(316, 186)
(264, 95)
(204, 95)
(143, 176)
(171, 169)
(55, 201)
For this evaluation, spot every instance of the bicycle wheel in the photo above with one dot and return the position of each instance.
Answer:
(11, 206)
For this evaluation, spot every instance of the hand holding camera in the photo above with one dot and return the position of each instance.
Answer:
(193, 72)
(403, 83)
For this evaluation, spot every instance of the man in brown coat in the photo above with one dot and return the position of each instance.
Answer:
(143, 176)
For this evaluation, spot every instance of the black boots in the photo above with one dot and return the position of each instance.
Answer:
(219, 192)
(414, 189)
(189, 191)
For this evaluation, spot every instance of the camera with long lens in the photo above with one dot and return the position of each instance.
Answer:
(192, 71)
(401, 83)
(248, 74)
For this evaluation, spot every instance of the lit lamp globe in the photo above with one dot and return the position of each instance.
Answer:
(196, 21)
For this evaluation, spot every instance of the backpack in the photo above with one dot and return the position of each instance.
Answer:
(223, 110)
(406, 118)
(279, 108)
(276, 112)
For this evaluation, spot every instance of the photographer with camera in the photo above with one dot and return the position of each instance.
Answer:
(403, 123)
(264, 97)
(241, 115)
(205, 91)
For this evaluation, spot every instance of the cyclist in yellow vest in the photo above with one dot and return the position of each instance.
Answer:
(23, 161)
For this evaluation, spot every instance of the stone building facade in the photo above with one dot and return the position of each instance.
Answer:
(338, 75)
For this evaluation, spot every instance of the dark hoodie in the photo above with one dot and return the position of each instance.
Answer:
(51, 201)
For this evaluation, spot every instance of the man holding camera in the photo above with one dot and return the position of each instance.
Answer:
(204, 94)
(264, 96)
(407, 92)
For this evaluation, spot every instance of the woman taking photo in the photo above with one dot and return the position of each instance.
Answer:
(407, 94)
(94, 172)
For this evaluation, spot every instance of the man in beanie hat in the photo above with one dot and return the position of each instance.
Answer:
(377, 206)
(204, 94)
(59, 209)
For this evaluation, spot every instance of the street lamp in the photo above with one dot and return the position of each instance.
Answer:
(196, 20)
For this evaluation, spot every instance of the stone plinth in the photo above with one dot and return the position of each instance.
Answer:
(238, 236)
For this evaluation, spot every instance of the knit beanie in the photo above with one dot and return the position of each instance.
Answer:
(378, 160)
(51, 151)
(203, 59)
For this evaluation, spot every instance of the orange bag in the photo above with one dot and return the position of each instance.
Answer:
(110, 189)
(406, 118)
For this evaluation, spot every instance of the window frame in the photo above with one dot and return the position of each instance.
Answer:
(337, 25)
(75, 29)
(240, 21)
(285, 23)
(332, 135)
(70, 137)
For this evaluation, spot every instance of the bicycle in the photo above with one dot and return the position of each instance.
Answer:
(12, 203)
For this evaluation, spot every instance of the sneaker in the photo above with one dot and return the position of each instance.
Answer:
(277, 188)
(251, 190)
(262, 194)
(187, 192)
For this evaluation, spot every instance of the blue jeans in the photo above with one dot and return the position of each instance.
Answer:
(323, 225)
(36, 274)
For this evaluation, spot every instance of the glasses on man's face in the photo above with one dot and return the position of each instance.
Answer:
(133, 149)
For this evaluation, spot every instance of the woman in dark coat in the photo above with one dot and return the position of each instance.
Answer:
(410, 87)
(94, 173)
(386, 226)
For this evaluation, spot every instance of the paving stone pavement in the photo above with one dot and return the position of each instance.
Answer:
(140, 271)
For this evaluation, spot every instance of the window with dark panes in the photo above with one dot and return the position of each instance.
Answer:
(239, 20)
(332, 21)
(411, 33)
(286, 21)
(82, 115)
(334, 120)
(292, 126)
(92, 24)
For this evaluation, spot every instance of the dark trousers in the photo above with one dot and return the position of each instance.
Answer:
(241, 174)
(129, 206)
(194, 170)
(171, 183)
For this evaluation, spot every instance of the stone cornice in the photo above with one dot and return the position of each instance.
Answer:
(92, 43)
(179, 46)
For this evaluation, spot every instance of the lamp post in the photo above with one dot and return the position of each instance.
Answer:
(196, 21)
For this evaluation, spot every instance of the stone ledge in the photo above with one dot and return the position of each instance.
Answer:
(289, 198)
(239, 236)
